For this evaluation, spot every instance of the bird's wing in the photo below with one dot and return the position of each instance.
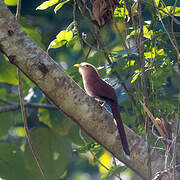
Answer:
(105, 91)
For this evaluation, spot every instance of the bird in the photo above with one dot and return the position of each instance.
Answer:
(101, 90)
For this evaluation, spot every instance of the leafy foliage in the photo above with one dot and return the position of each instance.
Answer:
(51, 153)
(54, 135)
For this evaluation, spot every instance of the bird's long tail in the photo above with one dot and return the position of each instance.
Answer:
(120, 126)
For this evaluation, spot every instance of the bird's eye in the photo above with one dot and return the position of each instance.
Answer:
(87, 66)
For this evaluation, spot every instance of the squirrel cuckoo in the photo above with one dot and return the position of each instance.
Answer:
(101, 90)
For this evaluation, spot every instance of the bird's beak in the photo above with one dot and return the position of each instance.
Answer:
(77, 65)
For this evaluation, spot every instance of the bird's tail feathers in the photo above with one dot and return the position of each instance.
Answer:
(120, 126)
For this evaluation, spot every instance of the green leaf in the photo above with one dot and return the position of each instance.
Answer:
(154, 52)
(32, 32)
(147, 34)
(54, 151)
(12, 164)
(74, 135)
(72, 42)
(157, 2)
(114, 170)
(60, 5)
(120, 12)
(60, 122)
(130, 63)
(10, 2)
(169, 10)
(61, 39)
(47, 4)
(64, 35)
(56, 44)
(9, 75)
(87, 147)
(44, 116)
(135, 76)
(6, 121)
(8, 72)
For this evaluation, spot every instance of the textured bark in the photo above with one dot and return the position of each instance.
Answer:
(69, 97)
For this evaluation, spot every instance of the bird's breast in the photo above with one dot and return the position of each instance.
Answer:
(89, 86)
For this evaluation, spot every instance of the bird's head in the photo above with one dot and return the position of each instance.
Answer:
(86, 69)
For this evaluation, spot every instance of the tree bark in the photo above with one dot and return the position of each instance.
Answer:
(69, 97)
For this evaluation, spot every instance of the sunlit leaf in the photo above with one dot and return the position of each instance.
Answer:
(47, 4)
(88, 147)
(154, 52)
(135, 76)
(64, 35)
(169, 10)
(105, 159)
(157, 2)
(11, 2)
(130, 63)
(147, 34)
(94, 158)
(120, 12)
(119, 26)
(60, 5)
(56, 44)
(8, 72)
(109, 70)
(20, 131)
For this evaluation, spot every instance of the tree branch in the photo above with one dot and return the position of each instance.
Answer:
(16, 106)
(6, 101)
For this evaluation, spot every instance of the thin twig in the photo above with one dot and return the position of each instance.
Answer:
(76, 27)
(130, 12)
(35, 155)
(176, 129)
(87, 55)
(16, 106)
(18, 11)
(6, 101)
(153, 119)
(160, 174)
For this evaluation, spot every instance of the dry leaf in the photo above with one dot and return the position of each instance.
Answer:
(103, 10)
